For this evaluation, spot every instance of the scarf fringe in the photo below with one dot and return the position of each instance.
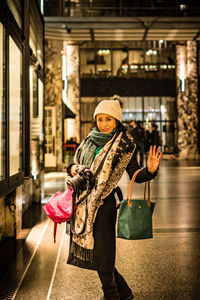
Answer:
(82, 253)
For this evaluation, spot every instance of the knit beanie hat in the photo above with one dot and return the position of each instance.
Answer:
(109, 107)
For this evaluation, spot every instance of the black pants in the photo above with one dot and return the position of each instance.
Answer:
(140, 149)
(113, 283)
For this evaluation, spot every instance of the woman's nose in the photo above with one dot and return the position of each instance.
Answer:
(104, 124)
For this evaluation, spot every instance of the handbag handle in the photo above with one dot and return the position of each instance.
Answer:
(148, 199)
(130, 189)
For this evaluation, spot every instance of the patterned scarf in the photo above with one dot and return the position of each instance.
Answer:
(94, 140)
(113, 168)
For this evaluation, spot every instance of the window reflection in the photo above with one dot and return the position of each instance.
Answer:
(103, 62)
(152, 62)
(2, 105)
(15, 108)
(158, 110)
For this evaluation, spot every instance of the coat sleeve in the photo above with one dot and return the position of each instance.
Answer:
(142, 176)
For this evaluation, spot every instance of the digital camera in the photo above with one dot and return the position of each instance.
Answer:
(84, 179)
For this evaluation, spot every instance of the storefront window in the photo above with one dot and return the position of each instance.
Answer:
(15, 108)
(2, 105)
(151, 108)
(132, 109)
(158, 110)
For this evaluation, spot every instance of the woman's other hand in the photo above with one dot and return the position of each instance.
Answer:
(153, 159)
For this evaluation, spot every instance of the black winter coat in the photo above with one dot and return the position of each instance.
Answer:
(105, 228)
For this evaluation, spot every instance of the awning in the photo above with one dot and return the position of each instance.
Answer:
(67, 113)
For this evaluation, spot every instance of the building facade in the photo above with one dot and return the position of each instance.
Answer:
(148, 54)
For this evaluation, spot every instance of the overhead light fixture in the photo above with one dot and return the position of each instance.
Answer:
(103, 52)
(151, 52)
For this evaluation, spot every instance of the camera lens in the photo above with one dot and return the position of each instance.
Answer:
(77, 182)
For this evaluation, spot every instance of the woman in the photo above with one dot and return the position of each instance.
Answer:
(94, 246)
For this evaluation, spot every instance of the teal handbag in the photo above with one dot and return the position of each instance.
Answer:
(135, 216)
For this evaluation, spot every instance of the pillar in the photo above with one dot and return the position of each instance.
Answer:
(53, 91)
(73, 90)
(187, 100)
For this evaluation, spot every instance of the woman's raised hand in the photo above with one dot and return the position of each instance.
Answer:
(153, 159)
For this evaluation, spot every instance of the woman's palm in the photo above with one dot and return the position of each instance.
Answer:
(153, 159)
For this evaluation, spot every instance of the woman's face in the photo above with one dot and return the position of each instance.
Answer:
(105, 123)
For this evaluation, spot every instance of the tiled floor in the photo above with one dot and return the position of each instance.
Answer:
(165, 267)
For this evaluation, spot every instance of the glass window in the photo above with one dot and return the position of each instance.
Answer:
(168, 109)
(136, 56)
(135, 63)
(87, 63)
(103, 61)
(120, 63)
(132, 109)
(2, 105)
(168, 63)
(15, 108)
(151, 108)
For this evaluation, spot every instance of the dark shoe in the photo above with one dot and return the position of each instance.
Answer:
(126, 294)
(130, 297)
(111, 295)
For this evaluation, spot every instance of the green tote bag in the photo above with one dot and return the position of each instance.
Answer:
(135, 216)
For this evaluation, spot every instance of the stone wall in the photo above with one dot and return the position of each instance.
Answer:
(187, 101)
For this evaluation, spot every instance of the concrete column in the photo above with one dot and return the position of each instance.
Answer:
(187, 100)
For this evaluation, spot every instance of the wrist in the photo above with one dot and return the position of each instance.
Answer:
(150, 171)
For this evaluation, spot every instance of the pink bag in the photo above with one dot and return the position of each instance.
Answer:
(59, 208)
